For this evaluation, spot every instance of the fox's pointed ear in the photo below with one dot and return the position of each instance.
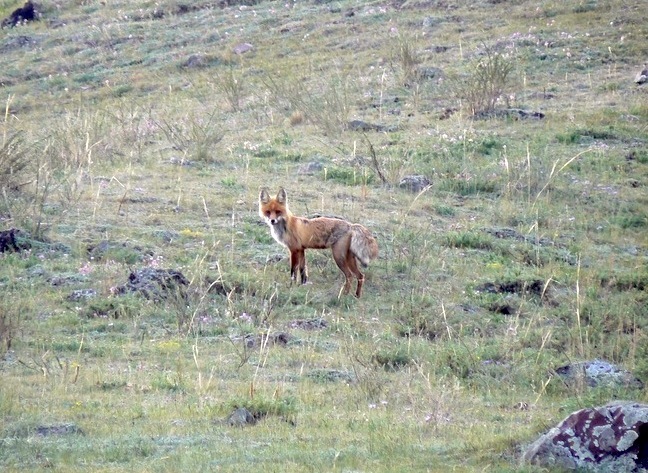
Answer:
(281, 196)
(264, 197)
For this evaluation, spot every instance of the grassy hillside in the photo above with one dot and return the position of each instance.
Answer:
(136, 136)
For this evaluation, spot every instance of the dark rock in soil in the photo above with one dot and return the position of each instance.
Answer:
(155, 284)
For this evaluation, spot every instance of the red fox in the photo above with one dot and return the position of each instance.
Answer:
(348, 241)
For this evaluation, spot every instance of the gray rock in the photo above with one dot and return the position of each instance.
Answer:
(511, 114)
(598, 373)
(59, 429)
(612, 438)
(81, 295)
(310, 168)
(243, 48)
(331, 376)
(359, 125)
(414, 183)
(155, 284)
(240, 418)
(430, 73)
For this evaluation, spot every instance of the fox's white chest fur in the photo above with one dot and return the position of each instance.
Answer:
(278, 231)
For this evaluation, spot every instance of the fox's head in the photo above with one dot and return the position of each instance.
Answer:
(273, 210)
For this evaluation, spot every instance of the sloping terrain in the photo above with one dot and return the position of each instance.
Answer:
(498, 151)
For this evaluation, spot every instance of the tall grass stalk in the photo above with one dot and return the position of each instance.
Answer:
(554, 173)
(579, 327)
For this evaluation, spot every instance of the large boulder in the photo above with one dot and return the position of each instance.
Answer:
(612, 438)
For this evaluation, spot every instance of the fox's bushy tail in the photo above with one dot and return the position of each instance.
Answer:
(363, 245)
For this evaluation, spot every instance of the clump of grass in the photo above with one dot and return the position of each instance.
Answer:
(194, 135)
(576, 136)
(393, 359)
(113, 308)
(468, 239)
(632, 217)
(13, 312)
(232, 85)
(14, 162)
(348, 176)
(488, 80)
(472, 186)
(407, 57)
(325, 105)
(407, 366)
(260, 407)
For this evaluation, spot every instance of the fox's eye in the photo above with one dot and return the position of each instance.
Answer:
(267, 214)
(278, 214)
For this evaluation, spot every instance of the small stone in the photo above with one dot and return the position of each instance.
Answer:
(241, 417)
(242, 48)
(414, 183)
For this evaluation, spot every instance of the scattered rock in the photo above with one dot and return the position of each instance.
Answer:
(60, 429)
(511, 114)
(240, 3)
(414, 183)
(440, 49)
(519, 286)
(17, 42)
(510, 233)
(385, 101)
(242, 48)
(8, 241)
(21, 15)
(166, 236)
(555, 250)
(511, 290)
(240, 418)
(279, 338)
(612, 438)
(224, 290)
(359, 125)
(642, 77)
(194, 61)
(447, 113)
(331, 376)
(65, 279)
(504, 308)
(15, 240)
(310, 324)
(429, 73)
(121, 251)
(310, 168)
(82, 295)
(542, 95)
(598, 373)
(155, 284)
(432, 21)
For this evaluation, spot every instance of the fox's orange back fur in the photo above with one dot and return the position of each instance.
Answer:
(348, 241)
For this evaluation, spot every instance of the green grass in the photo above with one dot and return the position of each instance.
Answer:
(527, 251)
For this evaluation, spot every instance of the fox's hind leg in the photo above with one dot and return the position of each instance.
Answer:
(352, 264)
(340, 254)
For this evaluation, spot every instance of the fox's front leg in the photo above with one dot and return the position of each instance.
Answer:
(302, 267)
(298, 265)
